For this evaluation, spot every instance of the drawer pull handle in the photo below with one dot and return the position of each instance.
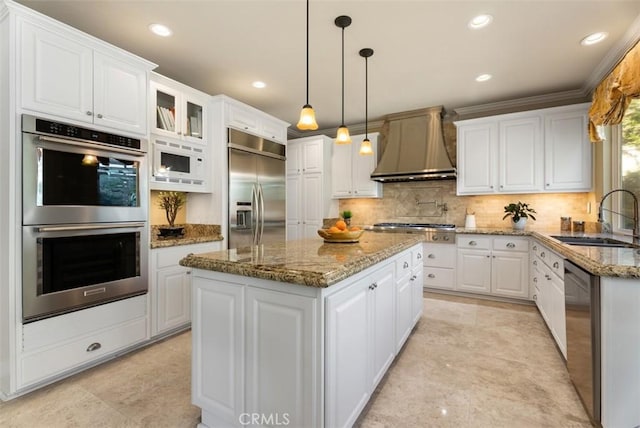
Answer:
(405, 265)
(535, 248)
(419, 256)
(94, 347)
(431, 275)
(535, 263)
(535, 279)
(473, 243)
(413, 278)
(511, 245)
(542, 254)
(547, 276)
(446, 238)
(535, 297)
(556, 265)
(431, 256)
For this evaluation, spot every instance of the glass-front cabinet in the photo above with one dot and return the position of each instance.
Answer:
(178, 113)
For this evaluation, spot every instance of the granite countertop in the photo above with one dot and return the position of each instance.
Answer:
(602, 261)
(310, 262)
(193, 234)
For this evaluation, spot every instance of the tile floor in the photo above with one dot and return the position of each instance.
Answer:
(469, 363)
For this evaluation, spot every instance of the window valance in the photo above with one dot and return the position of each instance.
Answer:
(613, 95)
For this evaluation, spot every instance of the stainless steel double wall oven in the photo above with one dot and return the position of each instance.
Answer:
(84, 217)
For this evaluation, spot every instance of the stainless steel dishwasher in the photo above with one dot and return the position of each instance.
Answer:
(582, 310)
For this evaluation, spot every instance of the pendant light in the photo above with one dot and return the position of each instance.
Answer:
(365, 147)
(342, 136)
(307, 120)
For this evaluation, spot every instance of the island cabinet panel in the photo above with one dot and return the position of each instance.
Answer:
(217, 364)
(281, 356)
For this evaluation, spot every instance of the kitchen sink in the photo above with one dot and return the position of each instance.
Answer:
(594, 241)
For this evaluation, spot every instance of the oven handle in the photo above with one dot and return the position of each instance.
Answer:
(87, 227)
(93, 145)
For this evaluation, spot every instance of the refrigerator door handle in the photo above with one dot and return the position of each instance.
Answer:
(255, 221)
(261, 208)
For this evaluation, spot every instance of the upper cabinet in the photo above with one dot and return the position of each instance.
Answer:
(178, 111)
(545, 150)
(351, 171)
(253, 121)
(70, 75)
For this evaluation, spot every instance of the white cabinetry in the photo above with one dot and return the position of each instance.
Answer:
(170, 287)
(439, 266)
(308, 186)
(496, 266)
(409, 302)
(252, 121)
(60, 344)
(351, 171)
(547, 278)
(68, 74)
(178, 111)
(526, 152)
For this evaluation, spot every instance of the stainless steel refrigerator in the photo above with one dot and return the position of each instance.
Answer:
(257, 191)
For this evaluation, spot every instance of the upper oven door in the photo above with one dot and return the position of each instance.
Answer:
(67, 181)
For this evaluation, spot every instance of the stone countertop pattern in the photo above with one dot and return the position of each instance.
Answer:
(602, 261)
(310, 262)
(193, 234)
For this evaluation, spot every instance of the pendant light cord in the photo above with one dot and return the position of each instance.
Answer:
(343, 76)
(366, 98)
(307, 52)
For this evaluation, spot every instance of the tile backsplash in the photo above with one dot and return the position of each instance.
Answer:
(437, 202)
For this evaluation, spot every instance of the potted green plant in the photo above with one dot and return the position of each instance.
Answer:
(519, 212)
(171, 202)
(346, 215)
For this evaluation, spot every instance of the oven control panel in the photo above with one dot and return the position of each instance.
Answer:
(70, 131)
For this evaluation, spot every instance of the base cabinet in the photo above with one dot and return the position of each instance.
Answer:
(310, 356)
(170, 287)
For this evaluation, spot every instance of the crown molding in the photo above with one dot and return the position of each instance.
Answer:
(614, 56)
(526, 103)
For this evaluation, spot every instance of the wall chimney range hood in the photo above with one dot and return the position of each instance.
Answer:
(415, 148)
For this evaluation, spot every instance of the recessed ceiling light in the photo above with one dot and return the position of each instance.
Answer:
(594, 38)
(480, 21)
(160, 30)
(258, 84)
(483, 78)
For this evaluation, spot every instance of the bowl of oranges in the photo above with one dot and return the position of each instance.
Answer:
(341, 233)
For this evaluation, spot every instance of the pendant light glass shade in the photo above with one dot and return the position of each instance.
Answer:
(365, 147)
(307, 120)
(342, 136)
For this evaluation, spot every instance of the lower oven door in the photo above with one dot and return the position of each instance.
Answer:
(71, 267)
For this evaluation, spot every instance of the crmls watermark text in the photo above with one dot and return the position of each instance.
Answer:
(270, 419)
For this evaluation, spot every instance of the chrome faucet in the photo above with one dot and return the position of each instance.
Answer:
(636, 226)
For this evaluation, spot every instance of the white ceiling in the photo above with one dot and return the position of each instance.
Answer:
(424, 53)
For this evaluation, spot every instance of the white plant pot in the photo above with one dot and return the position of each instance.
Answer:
(520, 224)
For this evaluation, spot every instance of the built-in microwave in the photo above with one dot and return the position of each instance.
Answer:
(178, 163)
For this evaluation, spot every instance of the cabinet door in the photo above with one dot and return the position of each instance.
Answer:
(510, 274)
(312, 156)
(476, 158)
(218, 324)
(474, 271)
(119, 94)
(56, 74)
(362, 166)
(567, 152)
(557, 312)
(417, 302)
(520, 151)
(294, 206)
(347, 353)
(243, 119)
(311, 204)
(383, 321)
(166, 104)
(294, 159)
(194, 118)
(341, 173)
(274, 130)
(281, 355)
(404, 310)
(174, 298)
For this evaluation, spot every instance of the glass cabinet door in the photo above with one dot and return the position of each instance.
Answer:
(167, 110)
(194, 125)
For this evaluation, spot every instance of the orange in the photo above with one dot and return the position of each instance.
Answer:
(354, 228)
(341, 225)
(334, 229)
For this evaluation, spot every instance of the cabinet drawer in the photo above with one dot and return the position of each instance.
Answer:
(273, 130)
(241, 119)
(418, 256)
(438, 255)
(439, 277)
(55, 330)
(39, 365)
(556, 264)
(403, 264)
(474, 242)
(511, 244)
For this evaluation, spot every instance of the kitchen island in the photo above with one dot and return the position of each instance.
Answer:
(300, 333)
